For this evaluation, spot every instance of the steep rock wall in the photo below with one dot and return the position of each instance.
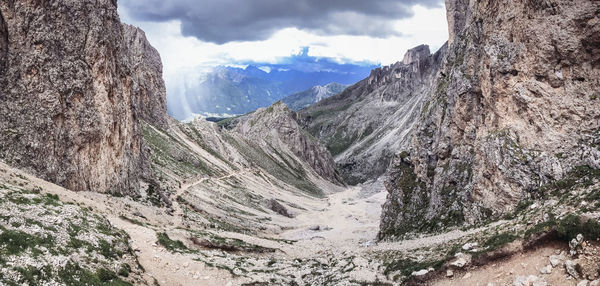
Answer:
(69, 98)
(515, 106)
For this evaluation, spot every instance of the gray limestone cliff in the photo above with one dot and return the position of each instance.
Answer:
(74, 87)
(515, 106)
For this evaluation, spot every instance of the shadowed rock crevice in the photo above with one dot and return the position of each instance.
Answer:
(3, 44)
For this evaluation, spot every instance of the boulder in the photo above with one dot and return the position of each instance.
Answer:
(469, 246)
(574, 244)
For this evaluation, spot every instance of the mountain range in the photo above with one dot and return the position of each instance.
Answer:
(229, 91)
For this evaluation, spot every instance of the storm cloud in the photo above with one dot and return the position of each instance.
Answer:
(222, 21)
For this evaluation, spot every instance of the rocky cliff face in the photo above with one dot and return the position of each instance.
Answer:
(276, 127)
(148, 84)
(367, 123)
(515, 106)
(74, 85)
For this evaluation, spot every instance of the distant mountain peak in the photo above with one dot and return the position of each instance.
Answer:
(313, 95)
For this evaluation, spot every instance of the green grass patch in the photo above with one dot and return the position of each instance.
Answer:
(13, 242)
(72, 274)
(169, 244)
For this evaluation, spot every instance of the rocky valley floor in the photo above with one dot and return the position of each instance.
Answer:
(328, 241)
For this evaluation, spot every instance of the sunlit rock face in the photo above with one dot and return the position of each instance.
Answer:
(74, 86)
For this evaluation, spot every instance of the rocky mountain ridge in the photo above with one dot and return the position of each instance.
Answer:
(276, 126)
(370, 121)
(229, 91)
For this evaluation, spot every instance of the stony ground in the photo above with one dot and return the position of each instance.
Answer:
(241, 223)
(331, 242)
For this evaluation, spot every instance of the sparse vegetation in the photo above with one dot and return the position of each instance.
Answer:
(169, 244)
(567, 228)
(26, 232)
(498, 240)
(578, 177)
(168, 152)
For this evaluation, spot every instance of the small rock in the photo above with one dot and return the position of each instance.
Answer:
(555, 260)
(469, 245)
(546, 270)
(314, 227)
(520, 281)
(449, 273)
(583, 283)
(460, 262)
(570, 267)
(138, 214)
(467, 276)
(237, 271)
(530, 280)
(420, 272)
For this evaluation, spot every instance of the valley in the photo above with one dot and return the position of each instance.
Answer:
(476, 164)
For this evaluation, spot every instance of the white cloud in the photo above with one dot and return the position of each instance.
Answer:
(185, 59)
(427, 26)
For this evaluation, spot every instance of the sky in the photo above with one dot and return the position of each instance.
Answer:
(191, 34)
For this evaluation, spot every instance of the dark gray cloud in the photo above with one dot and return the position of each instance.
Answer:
(222, 21)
